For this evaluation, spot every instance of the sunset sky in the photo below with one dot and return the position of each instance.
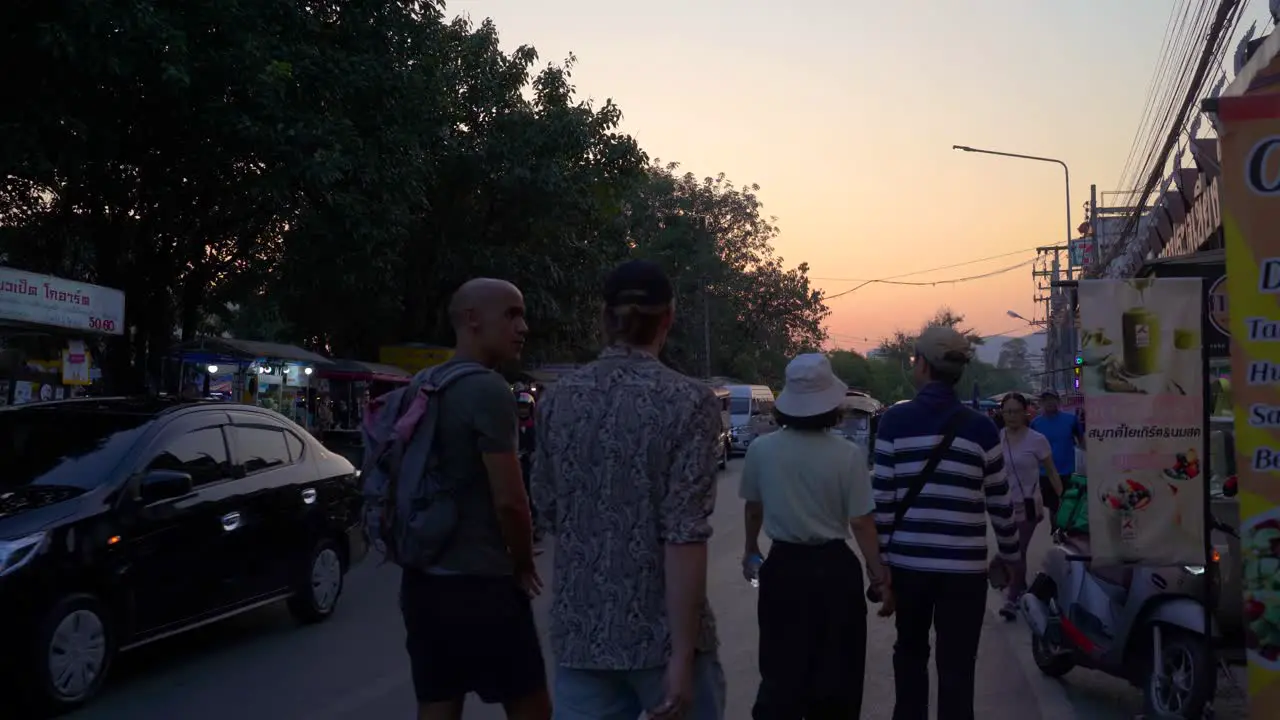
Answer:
(845, 113)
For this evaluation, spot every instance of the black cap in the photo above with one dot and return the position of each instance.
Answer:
(1049, 394)
(638, 282)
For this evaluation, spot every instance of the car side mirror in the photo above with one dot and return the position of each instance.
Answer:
(160, 485)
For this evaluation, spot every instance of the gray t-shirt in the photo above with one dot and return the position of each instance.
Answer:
(477, 416)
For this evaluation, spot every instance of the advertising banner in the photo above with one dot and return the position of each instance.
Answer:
(48, 300)
(1143, 384)
(1250, 183)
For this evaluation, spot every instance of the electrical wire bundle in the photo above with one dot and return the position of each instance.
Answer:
(1192, 44)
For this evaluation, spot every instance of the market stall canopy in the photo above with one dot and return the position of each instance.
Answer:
(237, 349)
(361, 371)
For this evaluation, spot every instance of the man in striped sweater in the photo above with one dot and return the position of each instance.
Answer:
(937, 553)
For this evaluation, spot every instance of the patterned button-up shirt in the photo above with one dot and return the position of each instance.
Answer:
(625, 463)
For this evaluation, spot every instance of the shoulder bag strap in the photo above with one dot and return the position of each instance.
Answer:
(1013, 466)
(918, 482)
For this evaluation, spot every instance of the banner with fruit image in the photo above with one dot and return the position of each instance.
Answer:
(1143, 384)
(1249, 142)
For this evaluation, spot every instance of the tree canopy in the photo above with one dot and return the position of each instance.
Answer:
(327, 173)
(886, 375)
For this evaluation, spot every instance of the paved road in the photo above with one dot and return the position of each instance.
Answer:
(263, 667)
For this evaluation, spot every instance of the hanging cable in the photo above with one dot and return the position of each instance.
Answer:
(935, 269)
(949, 281)
(1222, 16)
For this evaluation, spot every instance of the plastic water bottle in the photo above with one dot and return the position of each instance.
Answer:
(753, 564)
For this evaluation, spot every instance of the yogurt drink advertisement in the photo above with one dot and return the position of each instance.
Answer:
(1249, 139)
(1143, 384)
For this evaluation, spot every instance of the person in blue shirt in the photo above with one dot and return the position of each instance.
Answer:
(1063, 432)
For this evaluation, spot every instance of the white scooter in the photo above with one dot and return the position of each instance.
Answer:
(1143, 624)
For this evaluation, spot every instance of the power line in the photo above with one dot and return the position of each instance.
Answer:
(1213, 39)
(949, 281)
(922, 272)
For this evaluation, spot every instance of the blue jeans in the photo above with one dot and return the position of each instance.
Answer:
(624, 694)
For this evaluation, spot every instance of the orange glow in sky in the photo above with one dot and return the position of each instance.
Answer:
(845, 111)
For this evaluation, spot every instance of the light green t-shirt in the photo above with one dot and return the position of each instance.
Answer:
(810, 484)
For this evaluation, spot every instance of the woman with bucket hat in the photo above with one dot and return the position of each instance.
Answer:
(808, 488)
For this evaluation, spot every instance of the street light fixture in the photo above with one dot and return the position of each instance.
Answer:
(1016, 316)
(1065, 171)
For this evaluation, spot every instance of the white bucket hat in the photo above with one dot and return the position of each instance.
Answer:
(811, 388)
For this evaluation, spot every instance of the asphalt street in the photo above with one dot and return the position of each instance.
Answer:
(262, 666)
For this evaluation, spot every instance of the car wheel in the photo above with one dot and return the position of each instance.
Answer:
(73, 652)
(319, 584)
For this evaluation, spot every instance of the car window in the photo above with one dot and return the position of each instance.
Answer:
(740, 405)
(64, 447)
(200, 453)
(295, 445)
(261, 448)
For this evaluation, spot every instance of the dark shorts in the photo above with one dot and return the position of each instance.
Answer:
(469, 634)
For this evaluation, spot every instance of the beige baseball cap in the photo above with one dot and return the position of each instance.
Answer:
(945, 348)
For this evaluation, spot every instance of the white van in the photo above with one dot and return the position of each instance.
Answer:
(750, 415)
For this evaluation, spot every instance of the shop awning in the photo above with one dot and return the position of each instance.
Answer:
(361, 371)
(235, 348)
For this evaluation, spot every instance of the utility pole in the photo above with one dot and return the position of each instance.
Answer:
(1046, 275)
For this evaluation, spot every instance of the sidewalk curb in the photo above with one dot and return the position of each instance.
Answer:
(1052, 699)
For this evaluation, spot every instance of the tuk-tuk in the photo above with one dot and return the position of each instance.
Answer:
(861, 416)
(723, 396)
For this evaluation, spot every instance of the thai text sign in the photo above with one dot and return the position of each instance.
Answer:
(48, 300)
(1250, 145)
(1143, 384)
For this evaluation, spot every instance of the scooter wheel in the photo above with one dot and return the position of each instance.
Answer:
(1183, 685)
(1049, 658)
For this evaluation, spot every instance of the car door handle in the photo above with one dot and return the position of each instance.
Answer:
(230, 521)
(308, 496)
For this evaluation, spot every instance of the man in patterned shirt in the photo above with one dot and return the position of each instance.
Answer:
(624, 476)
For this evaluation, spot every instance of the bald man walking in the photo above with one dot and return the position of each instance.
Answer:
(468, 619)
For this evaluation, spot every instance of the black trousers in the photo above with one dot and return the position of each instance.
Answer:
(954, 605)
(813, 633)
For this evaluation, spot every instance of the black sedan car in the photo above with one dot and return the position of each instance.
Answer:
(124, 521)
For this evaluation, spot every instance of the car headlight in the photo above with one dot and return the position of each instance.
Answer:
(16, 553)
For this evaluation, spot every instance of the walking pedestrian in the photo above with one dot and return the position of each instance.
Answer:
(1064, 434)
(469, 619)
(625, 478)
(809, 487)
(1026, 455)
(939, 474)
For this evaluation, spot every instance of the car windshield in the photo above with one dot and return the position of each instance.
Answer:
(740, 406)
(63, 446)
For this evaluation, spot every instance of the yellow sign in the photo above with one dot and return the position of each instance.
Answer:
(1250, 186)
(413, 357)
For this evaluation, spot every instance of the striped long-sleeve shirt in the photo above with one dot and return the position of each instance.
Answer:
(945, 528)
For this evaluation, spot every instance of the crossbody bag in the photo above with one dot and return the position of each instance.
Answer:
(949, 430)
(1028, 502)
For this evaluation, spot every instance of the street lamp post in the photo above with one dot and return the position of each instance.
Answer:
(1066, 173)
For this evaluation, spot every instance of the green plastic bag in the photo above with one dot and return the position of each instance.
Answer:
(1073, 509)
